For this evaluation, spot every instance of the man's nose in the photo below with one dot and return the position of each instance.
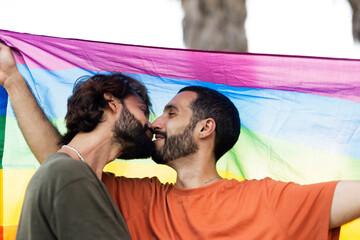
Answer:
(157, 124)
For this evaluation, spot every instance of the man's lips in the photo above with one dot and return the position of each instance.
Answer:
(149, 133)
(159, 136)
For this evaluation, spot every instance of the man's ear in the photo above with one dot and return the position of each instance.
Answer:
(208, 127)
(113, 102)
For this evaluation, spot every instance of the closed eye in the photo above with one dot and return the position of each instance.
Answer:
(145, 111)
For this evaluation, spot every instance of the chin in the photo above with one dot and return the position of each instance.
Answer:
(158, 146)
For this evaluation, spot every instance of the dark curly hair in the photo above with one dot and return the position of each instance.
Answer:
(87, 103)
(212, 104)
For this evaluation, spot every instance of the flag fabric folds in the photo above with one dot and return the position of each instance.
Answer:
(300, 116)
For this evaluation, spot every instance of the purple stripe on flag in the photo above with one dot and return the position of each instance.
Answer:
(322, 76)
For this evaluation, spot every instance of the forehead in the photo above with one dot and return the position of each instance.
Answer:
(182, 100)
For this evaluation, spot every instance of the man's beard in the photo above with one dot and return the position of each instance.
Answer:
(132, 136)
(177, 146)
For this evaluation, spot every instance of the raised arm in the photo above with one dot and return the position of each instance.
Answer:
(41, 136)
(346, 203)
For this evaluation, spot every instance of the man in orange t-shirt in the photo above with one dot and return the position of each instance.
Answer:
(202, 205)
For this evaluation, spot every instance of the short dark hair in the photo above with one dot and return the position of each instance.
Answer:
(87, 103)
(212, 104)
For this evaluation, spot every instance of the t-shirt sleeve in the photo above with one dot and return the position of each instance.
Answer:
(303, 210)
(130, 194)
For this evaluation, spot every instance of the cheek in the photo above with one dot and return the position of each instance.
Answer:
(174, 128)
(139, 115)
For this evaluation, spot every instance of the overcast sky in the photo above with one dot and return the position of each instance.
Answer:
(291, 27)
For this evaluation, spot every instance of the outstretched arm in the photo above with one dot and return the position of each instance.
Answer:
(41, 136)
(346, 203)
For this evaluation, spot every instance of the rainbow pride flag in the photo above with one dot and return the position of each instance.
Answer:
(300, 115)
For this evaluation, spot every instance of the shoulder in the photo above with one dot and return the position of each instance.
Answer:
(274, 189)
(62, 167)
(269, 183)
(130, 192)
(255, 188)
(63, 162)
(110, 178)
(124, 184)
(57, 172)
(255, 184)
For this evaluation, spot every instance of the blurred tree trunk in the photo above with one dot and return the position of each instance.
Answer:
(215, 25)
(355, 6)
(220, 24)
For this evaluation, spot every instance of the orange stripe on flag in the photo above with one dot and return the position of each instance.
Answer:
(9, 232)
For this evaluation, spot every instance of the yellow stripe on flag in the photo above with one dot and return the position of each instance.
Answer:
(14, 185)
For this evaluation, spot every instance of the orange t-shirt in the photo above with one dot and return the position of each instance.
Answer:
(227, 209)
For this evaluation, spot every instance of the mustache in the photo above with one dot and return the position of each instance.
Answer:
(158, 133)
(146, 127)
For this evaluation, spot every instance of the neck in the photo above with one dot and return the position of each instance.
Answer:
(96, 150)
(195, 171)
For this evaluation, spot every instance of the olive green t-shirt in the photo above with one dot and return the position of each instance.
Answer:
(66, 200)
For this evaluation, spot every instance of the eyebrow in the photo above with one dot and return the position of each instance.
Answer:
(170, 107)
